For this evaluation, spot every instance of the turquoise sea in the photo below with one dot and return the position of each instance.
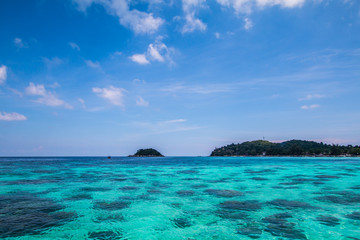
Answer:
(179, 198)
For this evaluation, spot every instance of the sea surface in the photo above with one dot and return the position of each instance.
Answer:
(179, 198)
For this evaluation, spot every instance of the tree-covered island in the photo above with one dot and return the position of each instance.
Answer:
(149, 152)
(288, 148)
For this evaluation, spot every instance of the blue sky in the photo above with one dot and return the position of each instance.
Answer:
(106, 77)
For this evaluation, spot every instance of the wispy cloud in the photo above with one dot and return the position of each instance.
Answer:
(112, 94)
(248, 6)
(52, 62)
(310, 107)
(3, 74)
(156, 52)
(192, 23)
(248, 24)
(92, 64)
(4, 116)
(82, 102)
(16, 92)
(181, 120)
(311, 96)
(138, 21)
(19, 43)
(140, 59)
(74, 46)
(141, 102)
(46, 97)
(199, 89)
(167, 126)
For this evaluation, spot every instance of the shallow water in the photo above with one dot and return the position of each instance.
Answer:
(179, 198)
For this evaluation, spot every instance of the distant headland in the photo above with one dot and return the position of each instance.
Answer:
(287, 148)
(149, 152)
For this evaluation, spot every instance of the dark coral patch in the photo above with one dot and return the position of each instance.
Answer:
(259, 179)
(328, 220)
(250, 205)
(109, 218)
(278, 225)
(191, 179)
(231, 215)
(154, 191)
(190, 171)
(326, 176)
(283, 203)
(119, 179)
(260, 172)
(129, 188)
(286, 230)
(137, 181)
(23, 213)
(105, 235)
(223, 193)
(185, 193)
(340, 197)
(111, 206)
(158, 184)
(95, 189)
(77, 197)
(353, 216)
(30, 182)
(182, 222)
(197, 186)
(250, 231)
(278, 218)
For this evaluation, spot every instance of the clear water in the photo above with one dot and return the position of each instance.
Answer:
(179, 198)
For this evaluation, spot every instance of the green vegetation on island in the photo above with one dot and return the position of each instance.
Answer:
(288, 148)
(149, 152)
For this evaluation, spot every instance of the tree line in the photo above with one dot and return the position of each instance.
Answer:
(288, 148)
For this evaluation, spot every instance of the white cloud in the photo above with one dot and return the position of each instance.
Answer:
(82, 102)
(52, 62)
(248, 23)
(154, 52)
(168, 126)
(139, 22)
(157, 51)
(173, 121)
(4, 116)
(240, 6)
(139, 58)
(18, 42)
(192, 23)
(16, 92)
(37, 90)
(282, 3)
(141, 102)
(74, 46)
(3, 74)
(309, 107)
(114, 95)
(198, 89)
(311, 96)
(137, 81)
(247, 6)
(92, 64)
(46, 97)
(217, 35)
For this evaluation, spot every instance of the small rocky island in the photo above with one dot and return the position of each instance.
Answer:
(149, 152)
